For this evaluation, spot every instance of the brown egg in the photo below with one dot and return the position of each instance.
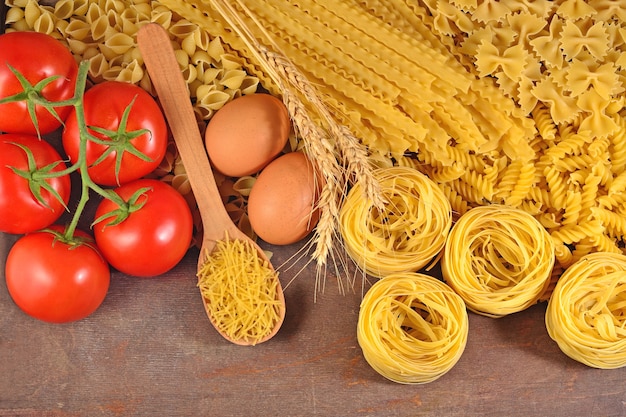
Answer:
(246, 134)
(282, 206)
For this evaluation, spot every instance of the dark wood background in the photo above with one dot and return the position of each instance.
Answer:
(150, 351)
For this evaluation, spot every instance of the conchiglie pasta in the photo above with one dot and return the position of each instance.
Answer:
(120, 43)
(64, 9)
(45, 24)
(14, 14)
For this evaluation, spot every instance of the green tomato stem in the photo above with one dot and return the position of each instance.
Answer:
(87, 183)
(33, 97)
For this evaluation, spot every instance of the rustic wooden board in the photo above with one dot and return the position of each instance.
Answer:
(149, 350)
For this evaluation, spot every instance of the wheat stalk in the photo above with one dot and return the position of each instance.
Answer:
(354, 155)
(320, 139)
(321, 151)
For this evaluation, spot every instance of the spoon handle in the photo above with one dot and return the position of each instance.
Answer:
(167, 79)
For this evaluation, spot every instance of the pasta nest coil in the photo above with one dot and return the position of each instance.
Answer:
(586, 314)
(407, 234)
(499, 259)
(412, 328)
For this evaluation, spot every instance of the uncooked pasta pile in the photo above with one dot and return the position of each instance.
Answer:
(240, 291)
(505, 105)
(498, 102)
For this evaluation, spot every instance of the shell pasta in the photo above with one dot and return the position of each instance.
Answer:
(412, 328)
(499, 259)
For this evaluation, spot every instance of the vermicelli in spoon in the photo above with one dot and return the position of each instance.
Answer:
(218, 227)
(240, 291)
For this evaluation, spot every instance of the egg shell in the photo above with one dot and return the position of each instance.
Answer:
(247, 133)
(282, 206)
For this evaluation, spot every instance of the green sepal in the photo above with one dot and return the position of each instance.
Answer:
(36, 177)
(120, 141)
(123, 212)
(32, 95)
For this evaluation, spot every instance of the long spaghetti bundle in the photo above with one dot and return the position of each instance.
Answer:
(407, 233)
(498, 259)
(412, 328)
(586, 314)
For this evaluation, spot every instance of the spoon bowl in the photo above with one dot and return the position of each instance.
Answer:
(173, 94)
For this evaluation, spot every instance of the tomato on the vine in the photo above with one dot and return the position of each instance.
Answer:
(129, 145)
(28, 201)
(36, 56)
(150, 239)
(53, 281)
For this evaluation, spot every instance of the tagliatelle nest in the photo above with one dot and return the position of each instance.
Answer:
(412, 328)
(404, 236)
(586, 314)
(499, 259)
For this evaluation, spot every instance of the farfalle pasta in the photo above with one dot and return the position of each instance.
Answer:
(498, 259)
(586, 312)
(554, 51)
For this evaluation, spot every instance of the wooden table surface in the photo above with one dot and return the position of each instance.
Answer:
(150, 351)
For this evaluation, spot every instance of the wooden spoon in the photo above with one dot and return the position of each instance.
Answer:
(171, 88)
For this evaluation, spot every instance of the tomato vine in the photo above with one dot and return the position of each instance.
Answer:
(36, 177)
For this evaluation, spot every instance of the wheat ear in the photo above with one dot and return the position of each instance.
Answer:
(319, 136)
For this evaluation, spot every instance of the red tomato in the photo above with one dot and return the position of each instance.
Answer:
(104, 106)
(151, 240)
(36, 56)
(20, 211)
(53, 281)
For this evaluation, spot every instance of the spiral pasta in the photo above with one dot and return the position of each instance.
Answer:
(407, 234)
(498, 259)
(412, 328)
(586, 314)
